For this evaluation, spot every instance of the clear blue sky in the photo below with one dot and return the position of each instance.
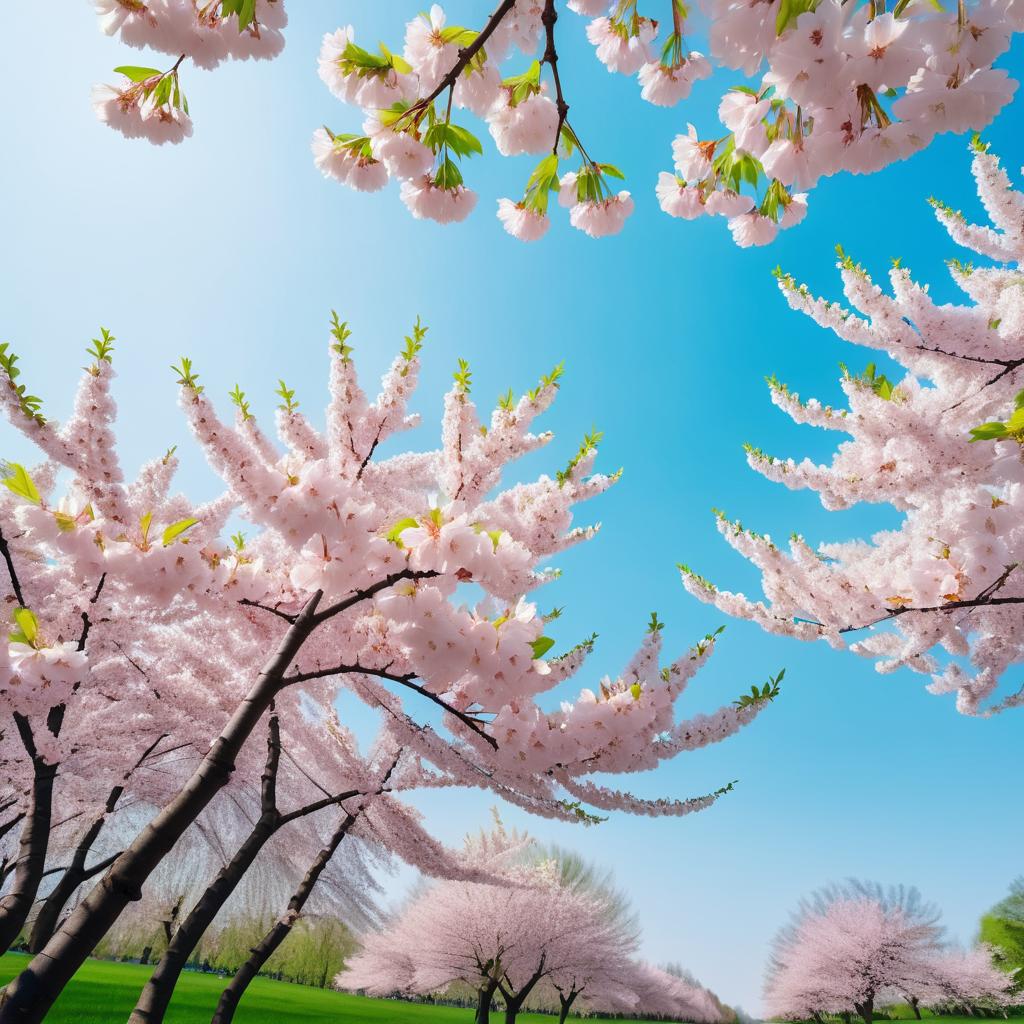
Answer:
(231, 248)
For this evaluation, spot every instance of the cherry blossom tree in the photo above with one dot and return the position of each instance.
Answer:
(124, 593)
(149, 102)
(843, 87)
(967, 979)
(942, 445)
(501, 939)
(848, 948)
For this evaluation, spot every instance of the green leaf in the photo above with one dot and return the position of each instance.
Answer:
(394, 534)
(612, 171)
(636, 690)
(137, 74)
(144, 524)
(988, 432)
(21, 484)
(28, 627)
(175, 530)
(541, 646)
(1018, 402)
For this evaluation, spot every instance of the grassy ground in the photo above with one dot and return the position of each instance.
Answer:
(104, 993)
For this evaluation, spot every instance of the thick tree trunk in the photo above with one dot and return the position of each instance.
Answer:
(156, 994)
(35, 837)
(916, 1007)
(28, 998)
(565, 1005)
(514, 1003)
(866, 1009)
(817, 1018)
(281, 929)
(46, 920)
(483, 1003)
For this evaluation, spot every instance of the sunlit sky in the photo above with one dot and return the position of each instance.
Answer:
(232, 249)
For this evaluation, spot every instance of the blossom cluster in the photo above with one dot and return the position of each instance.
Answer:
(844, 87)
(942, 445)
(149, 102)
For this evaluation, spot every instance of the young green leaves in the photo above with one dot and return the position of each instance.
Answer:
(20, 483)
(769, 691)
(1011, 429)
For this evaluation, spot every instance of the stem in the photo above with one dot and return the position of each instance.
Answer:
(11, 571)
(466, 54)
(548, 19)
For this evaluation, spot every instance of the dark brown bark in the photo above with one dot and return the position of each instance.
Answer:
(281, 929)
(76, 873)
(28, 998)
(915, 1006)
(483, 1002)
(35, 837)
(565, 1005)
(514, 1003)
(866, 1009)
(156, 995)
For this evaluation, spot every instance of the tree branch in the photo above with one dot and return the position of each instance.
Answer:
(86, 621)
(466, 54)
(266, 608)
(12, 572)
(370, 591)
(548, 19)
(405, 680)
(983, 599)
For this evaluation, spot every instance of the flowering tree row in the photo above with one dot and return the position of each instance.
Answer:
(532, 937)
(139, 629)
(943, 444)
(854, 947)
(843, 87)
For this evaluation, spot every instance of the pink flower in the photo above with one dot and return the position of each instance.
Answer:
(750, 229)
(972, 104)
(806, 61)
(522, 222)
(885, 53)
(403, 156)
(426, 201)
(135, 116)
(527, 127)
(602, 217)
(479, 89)
(588, 8)
(426, 50)
(618, 49)
(691, 156)
(678, 199)
(338, 161)
(790, 161)
(666, 86)
(794, 212)
(724, 202)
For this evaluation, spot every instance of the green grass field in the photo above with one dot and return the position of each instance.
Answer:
(104, 993)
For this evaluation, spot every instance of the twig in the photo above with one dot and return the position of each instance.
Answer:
(12, 572)
(466, 54)
(406, 680)
(548, 19)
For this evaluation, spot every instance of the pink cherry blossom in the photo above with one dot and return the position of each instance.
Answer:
(521, 222)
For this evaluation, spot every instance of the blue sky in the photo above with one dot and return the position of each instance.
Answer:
(232, 249)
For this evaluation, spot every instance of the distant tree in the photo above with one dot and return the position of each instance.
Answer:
(850, 946)
(967, 980)
(1002, 928)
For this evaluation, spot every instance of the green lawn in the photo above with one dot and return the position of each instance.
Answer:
(104, 993)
